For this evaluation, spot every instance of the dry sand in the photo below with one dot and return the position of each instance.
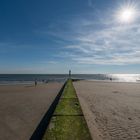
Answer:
(22, 108)
(112, 110)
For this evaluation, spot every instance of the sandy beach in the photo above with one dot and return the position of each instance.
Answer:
(112, 110)
(22, 108)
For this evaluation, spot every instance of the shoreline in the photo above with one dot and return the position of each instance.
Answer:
(14, 83)
(108, 81)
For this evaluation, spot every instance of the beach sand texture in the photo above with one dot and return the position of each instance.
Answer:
(22, 108)
(112, 110)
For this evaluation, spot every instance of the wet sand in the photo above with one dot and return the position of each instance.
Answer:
(112, 110)
(22, 108)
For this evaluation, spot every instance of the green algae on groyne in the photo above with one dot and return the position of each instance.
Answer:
(68, 122)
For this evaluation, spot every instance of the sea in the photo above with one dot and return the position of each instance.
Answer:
(8, 79)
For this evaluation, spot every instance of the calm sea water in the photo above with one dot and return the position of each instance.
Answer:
(29, 78)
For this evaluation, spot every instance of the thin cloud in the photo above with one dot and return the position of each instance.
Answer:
(114, 44)
(102, 42)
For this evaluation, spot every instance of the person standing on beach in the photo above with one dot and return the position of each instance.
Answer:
(35, 82)
(69, 73)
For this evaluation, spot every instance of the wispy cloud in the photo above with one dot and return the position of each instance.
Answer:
(102, 41)
(105, 42)
(111, 45)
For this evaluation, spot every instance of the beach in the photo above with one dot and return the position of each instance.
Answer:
(22, 108)
(111, 109)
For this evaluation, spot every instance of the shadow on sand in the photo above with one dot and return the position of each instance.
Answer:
(42, 126)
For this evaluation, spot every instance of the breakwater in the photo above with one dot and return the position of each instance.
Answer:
(67, 121)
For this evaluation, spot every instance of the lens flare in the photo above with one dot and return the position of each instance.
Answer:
(127, 13)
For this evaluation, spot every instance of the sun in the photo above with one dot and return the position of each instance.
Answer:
(126, 14)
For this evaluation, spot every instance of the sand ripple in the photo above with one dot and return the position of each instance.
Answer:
(113, 108)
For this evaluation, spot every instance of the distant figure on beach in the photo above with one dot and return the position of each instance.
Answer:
(110, 79)
(35, 82)
(69, 73)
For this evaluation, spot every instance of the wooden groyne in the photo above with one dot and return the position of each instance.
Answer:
(67, 121)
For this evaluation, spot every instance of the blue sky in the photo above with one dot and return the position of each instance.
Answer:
(51, 36)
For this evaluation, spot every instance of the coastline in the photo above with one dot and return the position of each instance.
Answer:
(109, 81)
(14, 83)
(111, 109)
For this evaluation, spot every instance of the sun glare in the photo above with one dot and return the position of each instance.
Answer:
(126, 14)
